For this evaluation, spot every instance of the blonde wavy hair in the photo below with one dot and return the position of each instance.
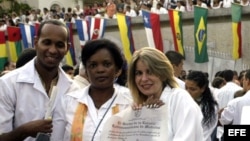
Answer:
(157, 63)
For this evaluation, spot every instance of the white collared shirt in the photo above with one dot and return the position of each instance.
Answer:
(24, 99)
(64, 115)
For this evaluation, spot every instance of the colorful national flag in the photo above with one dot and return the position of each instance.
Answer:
(236, 29)
(28, 34)
(96, 27)
(15, 45)
(70, 56)
(153, 29)
(83, 31)
(36, 28)
(175, 18)
(124, 23)
(200, 34)
(3, 50)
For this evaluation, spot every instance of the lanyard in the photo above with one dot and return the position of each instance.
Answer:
(103, 118)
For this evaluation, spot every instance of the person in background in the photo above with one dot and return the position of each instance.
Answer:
(81, 78)
(151, 79)
(98, 101)
(3, 26)
(110, 10)
(176, 60)
(236, 78)
(68, 70)
(240, 78)
(218, 82)
(130, 12)
(226, 93)
(26, 102)
(202, 4)
(183, 75)
(180, 6)
(159, 9)
(25, 56)
(78, 10)
(8, 66)
(197, 85)
(232, 113)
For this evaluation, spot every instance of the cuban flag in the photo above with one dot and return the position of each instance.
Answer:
(97, 27)
(28, 33)
(153, 29)
(83, 31)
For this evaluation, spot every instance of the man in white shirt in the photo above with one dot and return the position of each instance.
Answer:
(130, 12)
(180, 6)
(159, 9)
(78, 10)
(226, 93)
(233, 111)
(30, 93)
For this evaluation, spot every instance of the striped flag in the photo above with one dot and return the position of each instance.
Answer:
(124, 23)
(28, 34)
(153, 29)
(175, 18)
(3, 50)
(82, 30)
(200, 34)
(236, 29)
(96, 27)
(15, 45)
(70, 56)
(36, 28)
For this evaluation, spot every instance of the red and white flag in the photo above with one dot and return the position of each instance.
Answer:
(153, 29)
(96, 27)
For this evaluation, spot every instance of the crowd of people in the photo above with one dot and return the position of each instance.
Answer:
(64, 103)
(109, 8)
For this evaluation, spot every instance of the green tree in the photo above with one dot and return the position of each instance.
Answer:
(14, 7)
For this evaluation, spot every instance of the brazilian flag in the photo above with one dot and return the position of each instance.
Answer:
(200, 34)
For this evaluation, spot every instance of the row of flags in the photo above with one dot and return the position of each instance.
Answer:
(90, 29)
(154, 37)
(94, 28)
(200, 33)
(22, 37)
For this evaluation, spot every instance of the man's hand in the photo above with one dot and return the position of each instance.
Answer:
(28, 129)
(34, 127)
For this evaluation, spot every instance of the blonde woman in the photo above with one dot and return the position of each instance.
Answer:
(151, 79)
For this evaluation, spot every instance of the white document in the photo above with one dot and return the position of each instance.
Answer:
(245, 115)
(137, 125)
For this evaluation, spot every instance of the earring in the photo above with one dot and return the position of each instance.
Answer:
(116, 78)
